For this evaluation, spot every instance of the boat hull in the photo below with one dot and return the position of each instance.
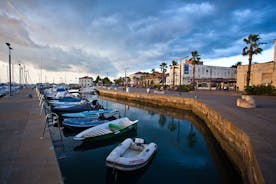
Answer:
(112, 135)
(130, 156)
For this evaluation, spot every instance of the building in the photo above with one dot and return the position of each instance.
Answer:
(135, 79)
(86, 81)
(145, 79)
(262, 73)
(205, 76)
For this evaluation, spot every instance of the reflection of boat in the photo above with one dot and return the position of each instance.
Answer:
(107, 130)
(113, 176)
(131, 155)
(87, 145)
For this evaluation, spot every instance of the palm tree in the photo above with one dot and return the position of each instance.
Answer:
(239, 63)
(163, 67)
(252, 42)
(174, 63)
(195, 61)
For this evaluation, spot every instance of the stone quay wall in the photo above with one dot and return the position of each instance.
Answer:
(235, 143)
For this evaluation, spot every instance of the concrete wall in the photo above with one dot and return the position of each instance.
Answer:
(233, 141)
(262, 73)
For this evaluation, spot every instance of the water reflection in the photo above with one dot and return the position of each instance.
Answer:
(162, 120)
(185, 150)
(191, 136)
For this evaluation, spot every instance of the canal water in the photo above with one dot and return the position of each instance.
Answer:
(187, 152)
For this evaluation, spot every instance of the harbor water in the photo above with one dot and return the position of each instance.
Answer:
(187, 152)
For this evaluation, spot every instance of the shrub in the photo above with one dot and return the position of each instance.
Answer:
(186, 88)
(260, 90)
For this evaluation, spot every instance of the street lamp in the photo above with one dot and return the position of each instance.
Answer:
(125, 79)
(9, 46)
(19, 74)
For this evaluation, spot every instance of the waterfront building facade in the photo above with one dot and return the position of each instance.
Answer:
(261, 73)
(205, 76)
(86, 81)
(135, 79)
(145, 79)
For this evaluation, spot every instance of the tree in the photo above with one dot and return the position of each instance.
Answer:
(252, 42)
(163, 67)
(119, 81)
(195, 59)
(173, 65)
(106, 81)
(239, 63)
(98, 80)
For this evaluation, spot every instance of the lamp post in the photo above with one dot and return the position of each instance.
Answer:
(9, 46)
(125, 79)
(19, 74)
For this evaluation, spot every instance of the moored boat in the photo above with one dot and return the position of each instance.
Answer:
(131, 155)
(87, 122)
(91, 113)
(107, 130)
(82, 122)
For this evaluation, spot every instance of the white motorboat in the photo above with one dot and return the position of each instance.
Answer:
(131, 155)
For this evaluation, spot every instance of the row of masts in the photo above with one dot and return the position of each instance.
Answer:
(20, 75)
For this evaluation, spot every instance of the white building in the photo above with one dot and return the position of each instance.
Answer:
(86, 81)
(204, 75)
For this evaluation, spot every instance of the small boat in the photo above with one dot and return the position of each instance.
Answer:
(82, 122)
(93, 113)
(87, 122)
(87, 106)
(131, 155)
(107, 130)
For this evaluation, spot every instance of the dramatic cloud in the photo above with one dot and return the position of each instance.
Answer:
(99, 37)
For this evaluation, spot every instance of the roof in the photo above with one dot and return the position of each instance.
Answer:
(86, 77)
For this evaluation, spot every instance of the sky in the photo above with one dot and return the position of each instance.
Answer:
(59, 41)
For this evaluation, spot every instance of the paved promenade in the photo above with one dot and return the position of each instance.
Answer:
(24, 156)
(259, 123)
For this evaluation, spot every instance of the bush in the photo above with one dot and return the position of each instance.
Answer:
(260, 90)
(186, 88)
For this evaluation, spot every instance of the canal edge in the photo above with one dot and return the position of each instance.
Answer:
(235, 143)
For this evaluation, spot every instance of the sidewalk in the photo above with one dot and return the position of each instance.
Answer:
(259, 124)
(24, 156)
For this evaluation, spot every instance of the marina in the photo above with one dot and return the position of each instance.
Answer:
(185, 149)
(185, 145)
(137, 92)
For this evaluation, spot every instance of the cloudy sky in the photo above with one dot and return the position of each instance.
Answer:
(68, 39)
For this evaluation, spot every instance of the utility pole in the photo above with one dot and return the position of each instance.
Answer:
(125, 79)
(9, 46)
